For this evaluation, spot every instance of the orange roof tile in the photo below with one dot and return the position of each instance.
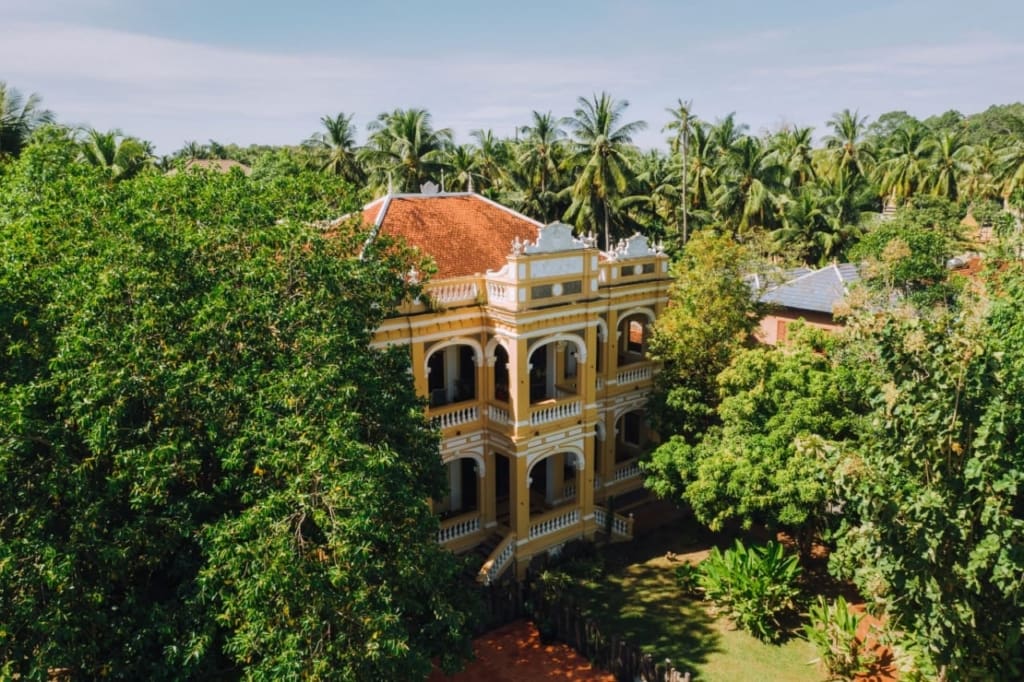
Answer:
(464, 233)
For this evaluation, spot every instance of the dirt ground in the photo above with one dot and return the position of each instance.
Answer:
(514, 653)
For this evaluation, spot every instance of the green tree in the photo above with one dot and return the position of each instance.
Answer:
(600, 141)
(682, 127)
(18, 118)
(336, 146)
(540, 156)
(120, 157)
(405, 150)
(951, 164)
(783, 414)
(847, 145)
(208, 473)
(710, 317)
(905, 162)
(937, 481)
(906, 256)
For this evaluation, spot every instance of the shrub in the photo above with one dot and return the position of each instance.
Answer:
(833, 631)
(687, 577)
(755, 587)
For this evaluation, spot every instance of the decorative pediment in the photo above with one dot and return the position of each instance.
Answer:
(554, 237)
(635, 247)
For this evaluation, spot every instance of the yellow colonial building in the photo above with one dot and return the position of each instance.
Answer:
(529, 347)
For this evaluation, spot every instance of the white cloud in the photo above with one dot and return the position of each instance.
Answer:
(84, 72)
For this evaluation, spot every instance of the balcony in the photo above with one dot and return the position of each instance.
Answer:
(462, 415)
(551, 411)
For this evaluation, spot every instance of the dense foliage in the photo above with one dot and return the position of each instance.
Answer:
(754, 586)
(770, 459)
(206, 470)
(934, 487)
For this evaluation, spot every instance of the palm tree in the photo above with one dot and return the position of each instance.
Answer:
(540, 154)
(703, 168)
(725, 133)
(599, 143)
(847, 144)
(119, 156)
(951, 165)
(982, 182)
(336, 143)
(464, 162)
(905, 163)
(405, 149)
(792, 149)
(751, 183)
(681, 123)
(18, 118)
(493, 156)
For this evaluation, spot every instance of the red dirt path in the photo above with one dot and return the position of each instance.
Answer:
(514, 653)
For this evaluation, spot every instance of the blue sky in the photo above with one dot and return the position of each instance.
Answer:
(258, 72)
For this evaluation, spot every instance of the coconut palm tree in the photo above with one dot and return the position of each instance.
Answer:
(906, 159)
(119, 156)
(404, 149)
(726, 133)
(464, 163)
(493, 157)
(792, 149)
(336, 144)
(703, 169)
(681, 125)
(599, 142)
(751, 181)
(18, 118)
(539, 155)
(847, 143)
(951, 164)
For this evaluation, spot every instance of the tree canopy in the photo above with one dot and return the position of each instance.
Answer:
(207, 470)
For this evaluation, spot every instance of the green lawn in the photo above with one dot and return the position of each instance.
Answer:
(638, 598)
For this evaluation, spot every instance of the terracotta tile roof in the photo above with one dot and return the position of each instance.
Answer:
(464, 233)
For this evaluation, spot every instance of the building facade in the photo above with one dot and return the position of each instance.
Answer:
(529, 348)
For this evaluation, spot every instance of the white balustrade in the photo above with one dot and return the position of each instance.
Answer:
(626, 470)
(501, 294)
(620, 524)
(552, 413)
(455, 417)
(628, 376)
(554, 523)
(457, 292)
(499, 560)
(600, 383)
(498, 414)
(453, 529)
(569, 491)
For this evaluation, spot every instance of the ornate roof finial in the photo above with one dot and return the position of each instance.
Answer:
(469, 184)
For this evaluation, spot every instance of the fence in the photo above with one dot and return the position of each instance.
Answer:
(564, 621)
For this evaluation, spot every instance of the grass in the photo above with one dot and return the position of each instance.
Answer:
(638, 598)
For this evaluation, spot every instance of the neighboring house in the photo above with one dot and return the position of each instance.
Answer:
(808, 295)
(529, 348)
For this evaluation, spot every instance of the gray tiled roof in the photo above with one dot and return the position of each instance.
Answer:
(817, 290)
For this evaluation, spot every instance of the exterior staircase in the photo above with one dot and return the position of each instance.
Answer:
(499, 559)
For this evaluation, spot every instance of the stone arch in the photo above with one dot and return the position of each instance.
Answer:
(602, 330)
(478, 351)
(492, 348)
(481, 464)
(573, 450)
(581, 345)
(639, 310)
